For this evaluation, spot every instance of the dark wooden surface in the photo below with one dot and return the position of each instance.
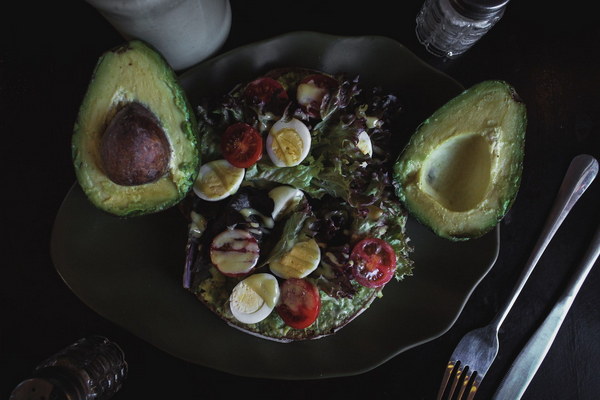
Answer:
(549, 55)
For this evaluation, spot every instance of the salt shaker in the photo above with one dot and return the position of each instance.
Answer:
(92, 368)
(448, 28)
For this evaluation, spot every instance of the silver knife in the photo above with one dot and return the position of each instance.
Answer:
(530, 358)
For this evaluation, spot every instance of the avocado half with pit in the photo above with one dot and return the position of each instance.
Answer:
(135, 146)
(460, 172)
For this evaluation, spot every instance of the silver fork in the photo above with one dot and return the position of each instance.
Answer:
(477, 350)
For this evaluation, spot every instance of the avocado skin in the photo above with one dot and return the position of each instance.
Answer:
(489, 121)
(135, 72)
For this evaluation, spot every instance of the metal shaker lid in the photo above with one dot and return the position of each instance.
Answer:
(477, 9)
(56, 386)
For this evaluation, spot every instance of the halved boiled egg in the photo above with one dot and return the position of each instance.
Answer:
(217, 180)
(288, 142)
(254, 298)
(299, 262)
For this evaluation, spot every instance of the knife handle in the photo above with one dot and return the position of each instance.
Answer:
(580, 174)
(530, 358)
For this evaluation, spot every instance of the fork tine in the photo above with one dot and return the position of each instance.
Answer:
(465, 381)
(476, 382)
(457, 378)
(453, 373)
(462, 378)
(445, 379)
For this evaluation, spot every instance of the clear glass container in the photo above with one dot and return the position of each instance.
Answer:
(448, 28)
(185, 32)
(90, 369)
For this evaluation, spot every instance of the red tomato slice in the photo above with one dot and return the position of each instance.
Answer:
(299, 303)
(268, 93)
(241, 145)
(311, 91)
(374, 262)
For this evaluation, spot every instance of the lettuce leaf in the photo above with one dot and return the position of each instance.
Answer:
(296, 229)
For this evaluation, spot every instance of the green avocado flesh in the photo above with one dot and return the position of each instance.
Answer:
(461, 170)
(135, 145)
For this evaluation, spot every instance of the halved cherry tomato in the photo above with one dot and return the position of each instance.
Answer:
(267, 93)
(241, 145)
(299, 303)
(374, 262)
(312, 89)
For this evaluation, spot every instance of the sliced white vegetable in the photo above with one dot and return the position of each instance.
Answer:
(308, 93)
(288, 142)
(364, 144)
(299, 262)
(234, 252)
(373, 122)
(285, 199)
(217, 180)
(254, 298)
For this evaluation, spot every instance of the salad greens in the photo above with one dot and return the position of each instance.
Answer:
(348, 194)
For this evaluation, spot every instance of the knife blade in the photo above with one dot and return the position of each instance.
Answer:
(530, 358)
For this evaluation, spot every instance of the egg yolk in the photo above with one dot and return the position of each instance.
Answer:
(287, 146)
(245, 299)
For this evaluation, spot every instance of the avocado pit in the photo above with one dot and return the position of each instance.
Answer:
(134, 149)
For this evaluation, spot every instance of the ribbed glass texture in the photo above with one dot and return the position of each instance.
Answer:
(95, 364)
(446, 33)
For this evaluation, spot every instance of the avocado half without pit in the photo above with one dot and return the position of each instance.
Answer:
(460, 172)
(135, 145)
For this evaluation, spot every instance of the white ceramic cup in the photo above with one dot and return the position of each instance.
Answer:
(185, 32)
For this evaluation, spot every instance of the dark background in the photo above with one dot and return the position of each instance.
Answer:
(549, 54)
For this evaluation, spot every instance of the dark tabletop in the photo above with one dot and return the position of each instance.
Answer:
(549, 55)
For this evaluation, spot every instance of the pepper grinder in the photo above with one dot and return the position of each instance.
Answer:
(448, 28)
(90, 369)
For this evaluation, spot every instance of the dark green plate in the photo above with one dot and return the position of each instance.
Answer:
(130, 270)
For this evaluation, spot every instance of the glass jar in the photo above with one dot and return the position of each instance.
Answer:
(185, 32)
(448, 28)
(90, 369)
